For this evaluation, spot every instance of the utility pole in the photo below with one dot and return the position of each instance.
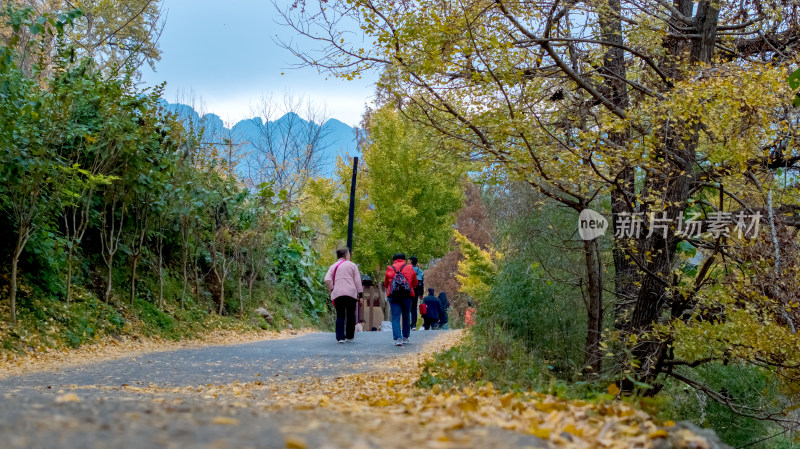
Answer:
(352, 210)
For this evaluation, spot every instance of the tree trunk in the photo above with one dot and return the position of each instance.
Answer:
(185, 281)
(221, 294)
(706, 27)
(138, 245)
(109, 240)
(594, 331)
(161, 275)
(75, 232)
(250, 282)
(185, 238)
(107, 296)
(623, 195)
(133, 276)
(680, 139)
(241, 304)
(626, 273)
(197, 282)
(196, 268)
(22, 240)
(69, 274)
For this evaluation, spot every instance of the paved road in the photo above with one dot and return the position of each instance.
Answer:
(109, 416)
(311, 354)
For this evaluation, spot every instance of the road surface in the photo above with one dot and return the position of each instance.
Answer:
(174, 400)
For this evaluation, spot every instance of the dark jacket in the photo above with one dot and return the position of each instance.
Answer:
(444, 304)
(433, 305)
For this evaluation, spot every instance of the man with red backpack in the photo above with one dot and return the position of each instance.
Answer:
(400, 282)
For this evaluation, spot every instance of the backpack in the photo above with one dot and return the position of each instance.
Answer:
(399, 283)
(423, 309)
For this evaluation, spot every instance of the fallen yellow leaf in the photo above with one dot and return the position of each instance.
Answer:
(660, 433)
(573, 430)
(225, 421)
(296, 443)
(541, 433)
(69, 397)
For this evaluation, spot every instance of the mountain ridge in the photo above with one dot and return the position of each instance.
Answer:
(335, 139)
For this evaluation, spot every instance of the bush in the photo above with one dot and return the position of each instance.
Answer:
(537, 313)
(747, 385)
(44, 322)
(155, 321)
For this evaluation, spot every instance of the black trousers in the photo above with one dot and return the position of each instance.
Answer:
(345, 317)
(430, 323)
(414, 312)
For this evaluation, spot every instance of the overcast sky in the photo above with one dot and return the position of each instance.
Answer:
(225, 53)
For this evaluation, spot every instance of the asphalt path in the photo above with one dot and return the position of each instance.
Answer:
(315, 354)
(94, 406)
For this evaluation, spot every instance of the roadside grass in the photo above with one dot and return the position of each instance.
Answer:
(508, 365)
(45, 322)
(496, 358)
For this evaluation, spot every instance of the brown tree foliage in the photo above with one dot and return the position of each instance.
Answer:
(473, 222)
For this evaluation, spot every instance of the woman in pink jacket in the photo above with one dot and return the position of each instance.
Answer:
(344, 282)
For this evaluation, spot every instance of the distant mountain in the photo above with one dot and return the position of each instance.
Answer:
(333, 139)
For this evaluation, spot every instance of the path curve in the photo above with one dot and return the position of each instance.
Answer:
(152, 401)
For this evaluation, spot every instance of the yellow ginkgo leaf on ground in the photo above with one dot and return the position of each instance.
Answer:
(225, 421)
(573, 430)
(69, 397)
(660, 433)
(296, 443)
(540, 433)
(613, 389)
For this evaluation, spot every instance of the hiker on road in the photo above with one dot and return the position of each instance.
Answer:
(430, 319)
(469, 314)
(344, 282)
(418, 291)
(445, 305)
(400, 281)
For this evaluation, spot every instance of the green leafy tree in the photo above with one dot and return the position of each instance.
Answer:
(30, 168)
(407, 197)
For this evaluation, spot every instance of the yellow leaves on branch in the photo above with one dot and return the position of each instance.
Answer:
(739, 106)
(478, 270)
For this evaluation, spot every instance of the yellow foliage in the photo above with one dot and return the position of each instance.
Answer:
(478, 271)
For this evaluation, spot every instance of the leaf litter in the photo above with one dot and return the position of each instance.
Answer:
(392, 412)
(128, 346)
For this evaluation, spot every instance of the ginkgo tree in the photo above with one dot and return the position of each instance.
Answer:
(668, 109)
(406, 198)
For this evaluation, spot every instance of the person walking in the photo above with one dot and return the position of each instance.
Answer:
(344, 282)
(469, 314)
(400, 281)
(418, 291)
(430, 320)
(445, 305)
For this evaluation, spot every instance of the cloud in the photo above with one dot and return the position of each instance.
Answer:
(226, 56)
